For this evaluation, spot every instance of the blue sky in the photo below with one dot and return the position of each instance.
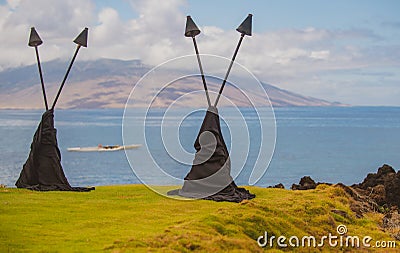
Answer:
(277, 14)
(347, 51)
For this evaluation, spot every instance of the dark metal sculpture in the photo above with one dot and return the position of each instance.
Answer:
(42, 170)
(209, 177)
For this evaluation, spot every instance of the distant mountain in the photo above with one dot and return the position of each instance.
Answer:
(281, 98)
(107, 83)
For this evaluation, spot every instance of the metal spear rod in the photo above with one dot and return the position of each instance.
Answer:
(201, 71)
(81, 41)
(229, 69)
(41, 78)
(35, 41)
(65, 77)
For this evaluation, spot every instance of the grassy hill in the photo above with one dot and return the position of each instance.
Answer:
(133, 218)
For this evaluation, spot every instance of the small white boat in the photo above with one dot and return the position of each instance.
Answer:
(101, 148)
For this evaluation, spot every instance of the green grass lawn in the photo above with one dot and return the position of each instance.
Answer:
(133, 218)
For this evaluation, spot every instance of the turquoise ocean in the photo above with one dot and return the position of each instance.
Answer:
(330, 144)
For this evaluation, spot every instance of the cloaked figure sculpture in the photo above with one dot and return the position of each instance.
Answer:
(42, 170)
(210, 175)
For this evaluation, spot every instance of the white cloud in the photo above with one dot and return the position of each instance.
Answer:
(109, 30)
(152, 37)
(57, 22)
(320, 55)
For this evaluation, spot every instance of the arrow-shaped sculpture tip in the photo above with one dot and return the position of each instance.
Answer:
(82, 38)
(245, 26)
(191, 28)
(34, 39)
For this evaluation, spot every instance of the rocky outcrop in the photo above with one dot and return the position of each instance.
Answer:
(379, 192)
(279, 186)
(359, 203)
(382, 187)
(306, 183)
(391, 223)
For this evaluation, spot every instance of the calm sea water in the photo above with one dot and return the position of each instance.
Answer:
(329, 144)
